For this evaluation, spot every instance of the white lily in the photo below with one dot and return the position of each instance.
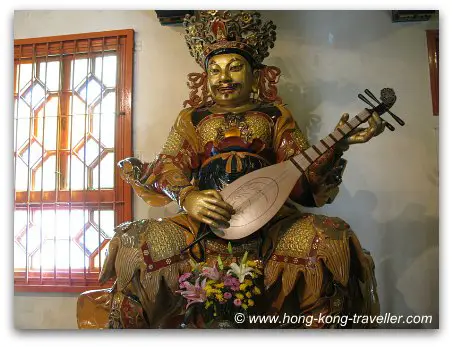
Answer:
(242, 269)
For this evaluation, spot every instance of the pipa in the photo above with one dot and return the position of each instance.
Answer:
(257, 196)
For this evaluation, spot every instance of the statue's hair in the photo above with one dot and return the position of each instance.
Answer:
(267, 90)
(198, 83)
(267, 84)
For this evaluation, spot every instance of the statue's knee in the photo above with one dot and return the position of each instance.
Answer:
(93, 309)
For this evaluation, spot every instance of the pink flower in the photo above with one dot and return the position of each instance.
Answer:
(184, 284)
(237, 302)
(227, 295)
(194, 292)
(231, 281)
(184, 277)
(211, 272)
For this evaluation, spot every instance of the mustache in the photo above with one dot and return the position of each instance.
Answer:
(227, 86)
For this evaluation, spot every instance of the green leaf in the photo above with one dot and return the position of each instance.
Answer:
(230, 248)
(244, 258)
(219, 261)
(193, 264)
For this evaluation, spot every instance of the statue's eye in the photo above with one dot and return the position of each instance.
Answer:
(214, 70)
(236, 68)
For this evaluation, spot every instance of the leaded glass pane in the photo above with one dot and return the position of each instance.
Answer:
(107, 70)
(24, 73)
(90, 91)
(21, 174)
(92, 239)
(47, 121)
(34, 95)
(49, 177)
(107, 222)
(49, 73)
(107, 166)
(79, 71)
(32, 153)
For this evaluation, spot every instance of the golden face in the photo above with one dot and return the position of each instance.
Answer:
(230, 79)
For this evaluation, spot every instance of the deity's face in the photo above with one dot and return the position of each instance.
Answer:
(230, 79)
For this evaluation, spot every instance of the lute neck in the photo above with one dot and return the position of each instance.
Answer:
(303, 160)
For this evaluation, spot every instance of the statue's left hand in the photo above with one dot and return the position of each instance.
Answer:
(362, 135)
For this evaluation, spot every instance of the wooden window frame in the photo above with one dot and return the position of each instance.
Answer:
(432, 38)
(121, 41)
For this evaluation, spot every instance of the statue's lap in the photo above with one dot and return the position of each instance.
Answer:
(310, 248)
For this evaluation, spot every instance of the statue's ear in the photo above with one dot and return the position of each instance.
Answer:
(256, 80)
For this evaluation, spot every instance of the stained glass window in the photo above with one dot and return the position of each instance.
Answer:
(68, 136)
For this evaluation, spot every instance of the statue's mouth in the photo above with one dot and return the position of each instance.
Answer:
(228, 88)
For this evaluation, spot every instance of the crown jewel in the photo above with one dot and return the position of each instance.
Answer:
(214, 30)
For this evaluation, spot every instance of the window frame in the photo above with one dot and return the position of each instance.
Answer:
(122, 42)
(432, 39)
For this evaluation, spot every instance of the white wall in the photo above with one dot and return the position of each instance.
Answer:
(390, 190)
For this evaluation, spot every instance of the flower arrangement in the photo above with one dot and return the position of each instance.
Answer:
(221, 291)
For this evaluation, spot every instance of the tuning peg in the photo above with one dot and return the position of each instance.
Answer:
(389, 126)
(394, 116)
(365, 100)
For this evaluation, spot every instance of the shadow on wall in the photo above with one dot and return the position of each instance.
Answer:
(303, 98)
(340, 29)
(409, 258)
(405, 253)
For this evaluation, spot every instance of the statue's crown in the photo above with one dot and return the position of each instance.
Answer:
(210, 31)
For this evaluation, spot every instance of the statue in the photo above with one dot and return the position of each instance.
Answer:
(235, 124)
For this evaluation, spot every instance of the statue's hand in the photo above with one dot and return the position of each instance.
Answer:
(361, 135)
(207, 206)
(130, 169)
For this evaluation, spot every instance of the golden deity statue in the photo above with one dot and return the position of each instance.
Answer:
(235, 123)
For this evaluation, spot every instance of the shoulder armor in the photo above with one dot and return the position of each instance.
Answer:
(199, 114)
(271, 110)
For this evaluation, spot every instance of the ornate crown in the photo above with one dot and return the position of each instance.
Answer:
(211, 31)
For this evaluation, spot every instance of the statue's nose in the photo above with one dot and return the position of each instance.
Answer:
(225, 76)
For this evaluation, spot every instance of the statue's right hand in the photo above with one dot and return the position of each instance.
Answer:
(207, 206)
(130, 169)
